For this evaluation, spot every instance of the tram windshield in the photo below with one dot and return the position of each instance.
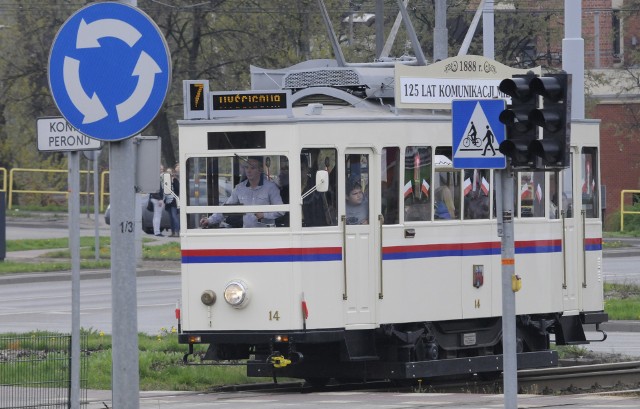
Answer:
(257, 181)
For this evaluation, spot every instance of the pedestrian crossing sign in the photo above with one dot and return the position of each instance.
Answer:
(477, 134)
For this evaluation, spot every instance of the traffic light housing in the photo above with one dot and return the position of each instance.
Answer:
(554, 118)
(521, 132)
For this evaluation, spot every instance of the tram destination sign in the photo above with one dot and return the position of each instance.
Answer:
(244, 103)
(56, 134)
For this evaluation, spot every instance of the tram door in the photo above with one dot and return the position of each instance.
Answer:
(361, 261)
(570, 236)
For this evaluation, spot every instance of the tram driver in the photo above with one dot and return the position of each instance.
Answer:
(256, 189)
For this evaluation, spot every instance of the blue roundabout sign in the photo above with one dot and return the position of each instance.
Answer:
(109, 70)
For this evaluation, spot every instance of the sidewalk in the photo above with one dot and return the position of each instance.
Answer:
(629, 247)
(55, 225)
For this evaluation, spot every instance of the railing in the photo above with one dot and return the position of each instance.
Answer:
(26, 174)
(622, 210)
(35, 372)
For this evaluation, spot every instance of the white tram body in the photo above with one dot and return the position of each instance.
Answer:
(308, 294)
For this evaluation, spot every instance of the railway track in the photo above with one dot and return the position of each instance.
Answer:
(572, 379)
(619, 376)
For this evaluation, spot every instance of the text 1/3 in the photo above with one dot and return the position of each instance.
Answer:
(126, 227)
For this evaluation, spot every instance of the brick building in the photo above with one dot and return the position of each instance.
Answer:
(611, 29)
(611, 33)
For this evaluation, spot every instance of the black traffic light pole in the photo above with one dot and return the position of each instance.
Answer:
(527, 152)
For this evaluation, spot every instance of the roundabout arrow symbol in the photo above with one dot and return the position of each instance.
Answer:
(89, 34)
(146, 69)
(90, 107)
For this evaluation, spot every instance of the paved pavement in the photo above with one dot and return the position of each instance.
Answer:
(55, 225)
(367, 400)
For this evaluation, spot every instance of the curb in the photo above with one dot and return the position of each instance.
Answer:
(617, 326)
(26, 278)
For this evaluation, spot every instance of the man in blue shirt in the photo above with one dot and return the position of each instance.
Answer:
(256, 189)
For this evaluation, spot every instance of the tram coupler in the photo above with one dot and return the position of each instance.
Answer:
(604, 334)
(278, 361)
(186, 356)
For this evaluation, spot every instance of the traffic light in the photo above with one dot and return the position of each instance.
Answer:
(521, 132)
(554, 118)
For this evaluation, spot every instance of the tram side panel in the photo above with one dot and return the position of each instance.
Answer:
(539, 265)
(420, 282)
(321, 284)
(592, 289)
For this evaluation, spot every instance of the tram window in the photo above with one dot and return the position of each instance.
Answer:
(566, 201)
(417, 183)
(318, 208)
(389, 186)
(446, 183)
(357, 188)
(590, 188)
(554, 190)
(476, 188)
(215, 181)
(532, 199)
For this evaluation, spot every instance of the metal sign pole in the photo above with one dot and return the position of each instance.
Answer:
(74, 248)
(125, 377)
(509, 356)
(96, 214)
(143, 92)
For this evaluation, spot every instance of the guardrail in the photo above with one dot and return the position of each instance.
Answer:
(622, 210)
(27, 174)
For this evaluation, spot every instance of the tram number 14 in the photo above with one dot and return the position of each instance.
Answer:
(274, 315)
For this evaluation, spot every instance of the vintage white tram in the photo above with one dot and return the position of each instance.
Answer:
(410, 291)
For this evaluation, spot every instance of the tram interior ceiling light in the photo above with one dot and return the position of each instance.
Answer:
(236, 294)
(208, 297)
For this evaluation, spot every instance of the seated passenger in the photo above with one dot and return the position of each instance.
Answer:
(256, 189)
(357, 207)
(444, 207)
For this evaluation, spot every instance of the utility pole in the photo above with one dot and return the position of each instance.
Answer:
(440, 33)
(125, 370)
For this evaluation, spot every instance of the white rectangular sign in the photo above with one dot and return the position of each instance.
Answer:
(56, 134)
(445, 90)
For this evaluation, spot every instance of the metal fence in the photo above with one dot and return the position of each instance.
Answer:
(35, 372)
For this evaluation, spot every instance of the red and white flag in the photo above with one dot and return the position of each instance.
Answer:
(408, 189)
(539, 193)
(425, 187)
(467, 186)
(524, 191)
(484, 185)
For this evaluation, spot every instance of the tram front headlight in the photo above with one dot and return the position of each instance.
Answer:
(236, 294)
